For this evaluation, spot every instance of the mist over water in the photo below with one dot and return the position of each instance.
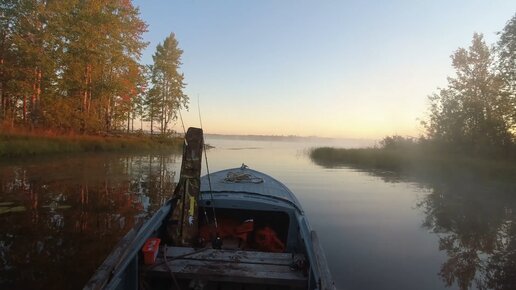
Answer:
(59, 218)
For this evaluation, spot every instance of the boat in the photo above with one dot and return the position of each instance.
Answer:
(233, 229)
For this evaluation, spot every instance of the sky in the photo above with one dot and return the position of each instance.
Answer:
(344, 69)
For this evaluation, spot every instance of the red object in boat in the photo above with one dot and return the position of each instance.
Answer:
(227, 228)
(150, 250)
(244, 229)
(267, 240)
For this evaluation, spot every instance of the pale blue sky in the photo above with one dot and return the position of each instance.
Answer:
(360, 69)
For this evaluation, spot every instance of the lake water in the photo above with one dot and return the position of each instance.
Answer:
(60, 217)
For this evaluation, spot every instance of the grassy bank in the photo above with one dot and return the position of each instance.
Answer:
(417, 162)
(25, 144)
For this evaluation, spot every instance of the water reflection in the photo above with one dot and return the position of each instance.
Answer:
(476, 228)
(475, 223)
(58, 220)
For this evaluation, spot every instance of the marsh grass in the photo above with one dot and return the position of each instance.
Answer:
(26, 144)
(416, 161)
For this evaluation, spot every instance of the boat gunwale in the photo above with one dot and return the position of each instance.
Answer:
(107, 275)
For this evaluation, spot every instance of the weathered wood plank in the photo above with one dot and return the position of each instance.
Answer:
(326, 280)
(249, 257)
(230, 272)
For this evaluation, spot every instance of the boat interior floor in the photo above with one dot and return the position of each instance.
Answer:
(206, 268)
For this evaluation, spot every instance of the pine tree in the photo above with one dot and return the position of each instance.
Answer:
(166, 96)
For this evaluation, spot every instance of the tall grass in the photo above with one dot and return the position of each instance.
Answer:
(23, 144)
(417, 161)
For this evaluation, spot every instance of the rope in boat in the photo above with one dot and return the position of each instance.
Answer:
(239, 177)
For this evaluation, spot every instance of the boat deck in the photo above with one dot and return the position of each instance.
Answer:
(230, 266)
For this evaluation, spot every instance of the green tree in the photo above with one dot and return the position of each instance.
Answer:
(507, 64)
(152, 100)
(167, 81)
(473, 113)
(138, 101)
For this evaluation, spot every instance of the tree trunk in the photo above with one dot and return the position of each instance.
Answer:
(24, 108)
(33, 97)
(151, 124)
(163, 105)
(162, 113)
(2, 93)
(38, 94)
(108, 115)
(85, 95)
(2, 101)
(10, 110)
(85, 89)
(89, 69)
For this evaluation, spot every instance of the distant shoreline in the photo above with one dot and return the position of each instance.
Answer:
(284, 138)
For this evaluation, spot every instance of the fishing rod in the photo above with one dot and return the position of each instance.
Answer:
(216, 242)
(207, 169)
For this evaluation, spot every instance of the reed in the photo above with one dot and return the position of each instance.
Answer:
(416, 161)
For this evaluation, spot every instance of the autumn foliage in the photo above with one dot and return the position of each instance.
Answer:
(72, 65)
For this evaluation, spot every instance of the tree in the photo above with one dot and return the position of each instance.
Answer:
(24, 58)
(166, 97)
(473, 113)
(70, 65)
(138, 101)
(152, 100)
(100, 60)
(507, 64)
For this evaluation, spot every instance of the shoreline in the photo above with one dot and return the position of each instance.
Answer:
(30, 144)
(418, 163)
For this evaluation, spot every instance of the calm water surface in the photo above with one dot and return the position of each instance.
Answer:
(60, 217)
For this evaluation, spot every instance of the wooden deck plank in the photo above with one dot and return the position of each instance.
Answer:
(248, 257)
(230, 266)
(232, 272)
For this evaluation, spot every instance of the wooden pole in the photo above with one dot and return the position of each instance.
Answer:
(183, 224)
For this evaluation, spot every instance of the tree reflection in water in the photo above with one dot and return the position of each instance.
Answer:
(476, 228)
(60, 218)
(475, 222)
